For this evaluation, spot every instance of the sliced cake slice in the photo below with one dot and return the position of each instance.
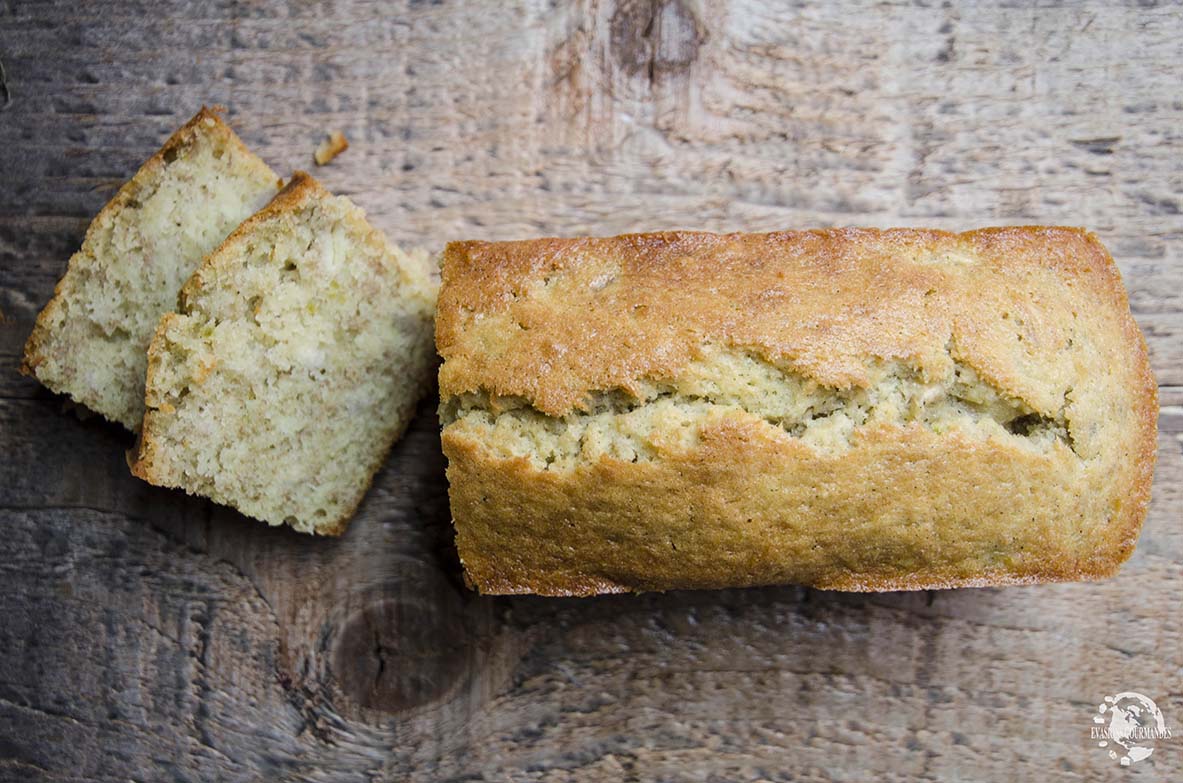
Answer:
(301, 347)
(90, 341)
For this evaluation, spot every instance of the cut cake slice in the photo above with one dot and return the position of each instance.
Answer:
(90, 341)
(300, 350)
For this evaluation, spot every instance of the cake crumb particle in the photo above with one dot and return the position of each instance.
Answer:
(331, 147)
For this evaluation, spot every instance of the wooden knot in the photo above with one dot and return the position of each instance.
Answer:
(655, 38)
(406, 647)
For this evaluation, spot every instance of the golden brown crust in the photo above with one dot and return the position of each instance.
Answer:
(1039, 313)
(208, 121)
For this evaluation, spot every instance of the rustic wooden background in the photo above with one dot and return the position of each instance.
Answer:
(145, 635)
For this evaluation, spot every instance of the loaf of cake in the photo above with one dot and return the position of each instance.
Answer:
(299, 352)
(846, 409)
(90, 341)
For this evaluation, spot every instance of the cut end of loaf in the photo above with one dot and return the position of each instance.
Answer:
(300, 350)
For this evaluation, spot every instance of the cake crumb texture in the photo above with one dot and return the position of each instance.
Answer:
(90, 341)
(300, 350)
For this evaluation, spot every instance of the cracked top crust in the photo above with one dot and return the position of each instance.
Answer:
(543, 331)
(552, 320)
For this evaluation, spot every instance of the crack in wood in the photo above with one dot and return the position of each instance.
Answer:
(5, 90)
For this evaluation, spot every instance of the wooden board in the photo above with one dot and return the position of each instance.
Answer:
(145, 635)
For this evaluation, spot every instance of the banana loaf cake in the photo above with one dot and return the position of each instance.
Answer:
(91, 340)
(299, 352)
(848, 409)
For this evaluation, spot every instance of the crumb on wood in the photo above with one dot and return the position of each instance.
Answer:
(334, 145)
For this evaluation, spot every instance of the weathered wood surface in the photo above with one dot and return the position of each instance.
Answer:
(145, 635)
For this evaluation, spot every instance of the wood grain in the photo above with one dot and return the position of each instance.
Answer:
(147, 635)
